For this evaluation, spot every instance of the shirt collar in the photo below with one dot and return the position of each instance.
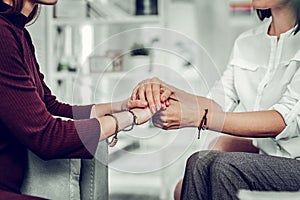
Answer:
(19, 20)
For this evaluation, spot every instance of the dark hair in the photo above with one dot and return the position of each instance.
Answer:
(262, 14)
(16, 9)
(295, 4)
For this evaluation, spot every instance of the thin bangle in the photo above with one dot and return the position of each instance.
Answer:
(203, 123)
(134, 121)
(114, 140)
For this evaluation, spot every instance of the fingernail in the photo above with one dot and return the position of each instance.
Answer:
(163, 99)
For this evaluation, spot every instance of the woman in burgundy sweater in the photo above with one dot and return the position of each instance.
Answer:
(27, 106)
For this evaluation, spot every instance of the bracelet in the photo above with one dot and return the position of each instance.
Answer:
(203, 123)
(114, 140)
(134, 122)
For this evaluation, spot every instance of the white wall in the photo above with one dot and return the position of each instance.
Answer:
(38, 35)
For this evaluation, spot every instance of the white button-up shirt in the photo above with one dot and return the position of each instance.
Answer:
(264, 74)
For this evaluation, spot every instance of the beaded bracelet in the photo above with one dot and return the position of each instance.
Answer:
(134, 122)
(203, 123)
(114, 140)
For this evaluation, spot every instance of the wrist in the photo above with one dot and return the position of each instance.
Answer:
(119, 106)
(125, 119)
(134, 117)
(134, 121)
(124, 105)
(216, 120)
(134, 113)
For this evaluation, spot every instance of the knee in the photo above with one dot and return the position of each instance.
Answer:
(195, 159)
(177, 191)
(198, 164)
(192, 160)
(228, 168)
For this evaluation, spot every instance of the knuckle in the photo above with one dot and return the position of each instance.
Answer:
(155, 80)
(165, 126)
(149, 80)
(143, 83)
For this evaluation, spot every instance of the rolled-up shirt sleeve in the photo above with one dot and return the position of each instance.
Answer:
(288, 141)
(289, 104)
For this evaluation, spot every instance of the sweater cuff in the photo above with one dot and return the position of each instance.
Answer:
(81, 112)
(89, 135)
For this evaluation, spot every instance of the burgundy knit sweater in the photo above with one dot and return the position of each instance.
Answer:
(27, 108)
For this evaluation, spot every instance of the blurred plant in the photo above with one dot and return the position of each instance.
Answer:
(139, 50)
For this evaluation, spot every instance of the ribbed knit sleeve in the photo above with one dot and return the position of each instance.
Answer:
(25, 115)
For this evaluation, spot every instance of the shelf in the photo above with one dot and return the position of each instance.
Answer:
(108, 21)
(65, 75)
(106, 14)
(67, 36)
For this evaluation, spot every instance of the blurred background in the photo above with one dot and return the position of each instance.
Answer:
(94, 51)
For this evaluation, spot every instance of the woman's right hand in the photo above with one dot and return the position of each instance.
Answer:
(154, 91)
(183, 111)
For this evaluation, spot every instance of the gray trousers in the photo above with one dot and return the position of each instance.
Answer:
(218, 175)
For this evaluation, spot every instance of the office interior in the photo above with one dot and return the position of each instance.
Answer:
(97, 51)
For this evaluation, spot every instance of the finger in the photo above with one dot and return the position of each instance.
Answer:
(167, 103)
(165, 126)
(156, 95)
(137, 104)
(134, 93)
(163, 106)
(141, 93)
(172, 127)
(149, 97)
(166, 94)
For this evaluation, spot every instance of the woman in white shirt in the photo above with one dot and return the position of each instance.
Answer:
(263, 77)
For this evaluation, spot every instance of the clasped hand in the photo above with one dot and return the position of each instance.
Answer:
(169, 107)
